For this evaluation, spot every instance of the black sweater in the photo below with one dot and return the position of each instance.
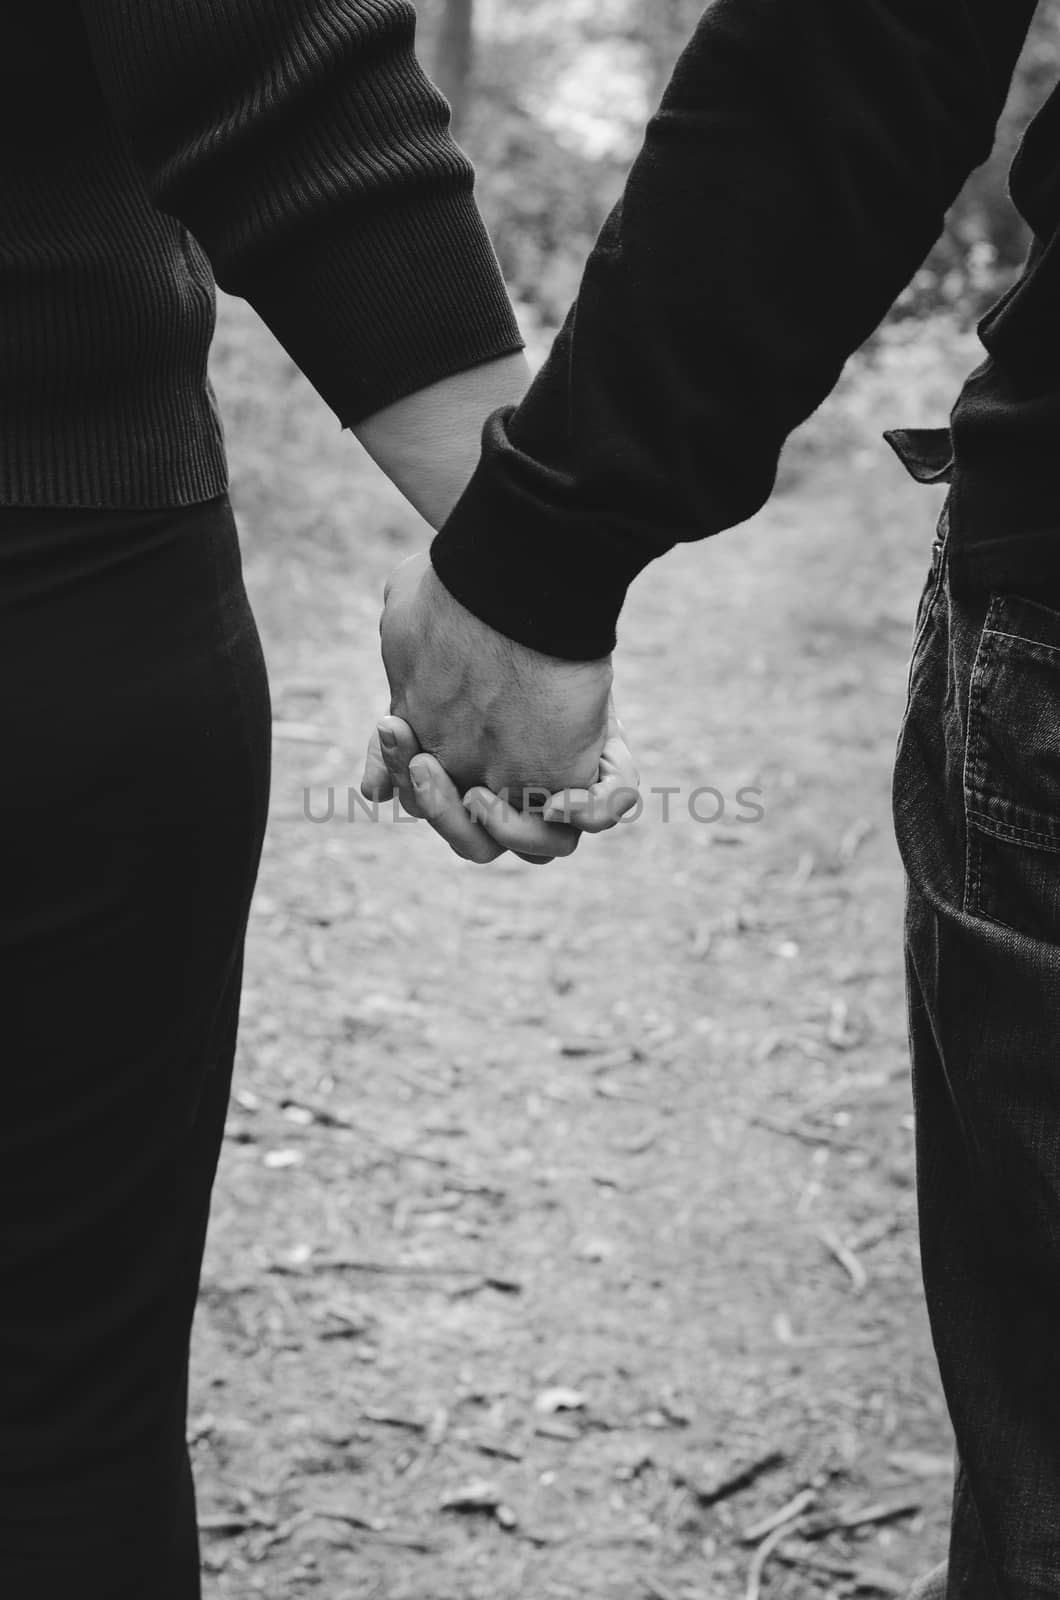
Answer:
(291, 150)
(793, 180)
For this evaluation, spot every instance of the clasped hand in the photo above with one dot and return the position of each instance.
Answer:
(497, 746)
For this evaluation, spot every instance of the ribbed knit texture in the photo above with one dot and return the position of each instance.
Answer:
(291, 151)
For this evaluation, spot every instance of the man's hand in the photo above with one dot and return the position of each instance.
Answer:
(480, 826)
(492, 712)
(395, 765)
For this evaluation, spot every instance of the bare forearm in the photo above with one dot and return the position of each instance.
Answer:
(428, 444)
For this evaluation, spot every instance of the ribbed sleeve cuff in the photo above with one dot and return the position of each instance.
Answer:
(407, 297)
(548, 575)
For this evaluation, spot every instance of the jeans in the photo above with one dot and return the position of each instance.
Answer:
(135, 738)
(977, 817)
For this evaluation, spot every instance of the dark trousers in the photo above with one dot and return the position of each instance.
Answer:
(977, 813)
(135, 741)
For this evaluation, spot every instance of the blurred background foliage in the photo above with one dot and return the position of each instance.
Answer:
(550, 98)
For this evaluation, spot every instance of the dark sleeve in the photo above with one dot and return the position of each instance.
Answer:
(309, 155)
(794, 178)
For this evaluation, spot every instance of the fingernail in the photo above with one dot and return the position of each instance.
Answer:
(419, 775)
(388, 738)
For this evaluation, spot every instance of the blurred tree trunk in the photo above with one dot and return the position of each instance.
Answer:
(454, 58)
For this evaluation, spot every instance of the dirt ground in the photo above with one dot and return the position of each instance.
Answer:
(565, 1232)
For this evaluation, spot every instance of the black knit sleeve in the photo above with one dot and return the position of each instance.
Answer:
(794, 178)
(303, 146)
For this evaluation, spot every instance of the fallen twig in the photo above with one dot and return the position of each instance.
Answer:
(495, 1447)
(922, 1463)
(840, 1033)
(763, 1553)
(875, 1232)
(799, 1130)
(338, 1119)
(233, 1523)
(879, 1579)
(818, 1527)
(390, 1419)
(853, 839)
(368, 1530)
(353, 1519)
(322, 1114)
(710, 1493)
(411, 1269)
(281, 1533)
(796, 1507)
(786, 1335)
(637, 1144)
(845, 1257)
(613, 1060)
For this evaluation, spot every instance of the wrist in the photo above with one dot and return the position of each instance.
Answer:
(532, 567)
(429, 443)
(449, 616)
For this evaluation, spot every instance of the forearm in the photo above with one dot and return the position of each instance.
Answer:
(796, 175)
(429, 443)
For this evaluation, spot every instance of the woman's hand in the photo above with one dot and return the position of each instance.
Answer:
(481, 825)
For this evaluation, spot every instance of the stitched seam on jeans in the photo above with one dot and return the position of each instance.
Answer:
(973, 764)
(974, 775)
(1029, 645)
(1013, 832)
(972, 758)
(974, 873)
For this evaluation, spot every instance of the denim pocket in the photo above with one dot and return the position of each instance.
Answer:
(1012, 769)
